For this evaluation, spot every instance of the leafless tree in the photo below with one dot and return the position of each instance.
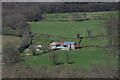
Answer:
(66, 57)
(110, 24)
(84, 14)
(56, 15)
(78, 38)
(88, 31)
(53, 57)
(44, 16)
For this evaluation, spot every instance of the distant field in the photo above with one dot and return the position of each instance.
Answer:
(90, 15)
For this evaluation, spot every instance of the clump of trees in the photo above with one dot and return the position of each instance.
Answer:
(32, 13)
(16, 22)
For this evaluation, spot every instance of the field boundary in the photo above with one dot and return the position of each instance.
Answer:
(102, 47)
(66, 37)
(67, 20)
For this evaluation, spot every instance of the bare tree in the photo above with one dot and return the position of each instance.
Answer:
(84, 14)
(78, 38)
(53, 57)
(66, 57)
(15, 22)
(88, 31)
(44, 16)
(111, 27)
(56, 15)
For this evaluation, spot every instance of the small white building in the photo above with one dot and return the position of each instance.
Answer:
(39, 46)
(54, 45)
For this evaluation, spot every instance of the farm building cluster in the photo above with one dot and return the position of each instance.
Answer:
(57, 46)
(64, 46)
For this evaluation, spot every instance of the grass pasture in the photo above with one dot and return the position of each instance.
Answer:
(67, 29)
(84, 57)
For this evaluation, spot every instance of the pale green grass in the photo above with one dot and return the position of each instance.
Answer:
(67, 29)
(82, 57)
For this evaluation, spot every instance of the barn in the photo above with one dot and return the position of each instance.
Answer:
(69, 45)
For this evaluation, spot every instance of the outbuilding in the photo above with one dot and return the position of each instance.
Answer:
(54, 45)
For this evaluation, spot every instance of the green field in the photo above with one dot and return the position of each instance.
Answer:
(90, 15)
(84, 57)
(67, 29)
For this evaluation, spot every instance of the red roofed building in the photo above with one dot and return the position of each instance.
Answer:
(60, 43)
(77, 46)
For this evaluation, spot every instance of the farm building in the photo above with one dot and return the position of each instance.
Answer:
(64, 46)
(69, 45)
(61, 44)
(77, 46)
(39, 46)
(54, 45)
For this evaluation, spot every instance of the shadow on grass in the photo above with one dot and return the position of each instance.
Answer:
(59, 63)
(64, 63)
(71, 62)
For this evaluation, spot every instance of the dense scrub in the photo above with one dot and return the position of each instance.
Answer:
(18, 71)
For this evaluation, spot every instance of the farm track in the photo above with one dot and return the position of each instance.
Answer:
(65, 37)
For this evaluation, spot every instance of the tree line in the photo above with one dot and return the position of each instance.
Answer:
(17, 14)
